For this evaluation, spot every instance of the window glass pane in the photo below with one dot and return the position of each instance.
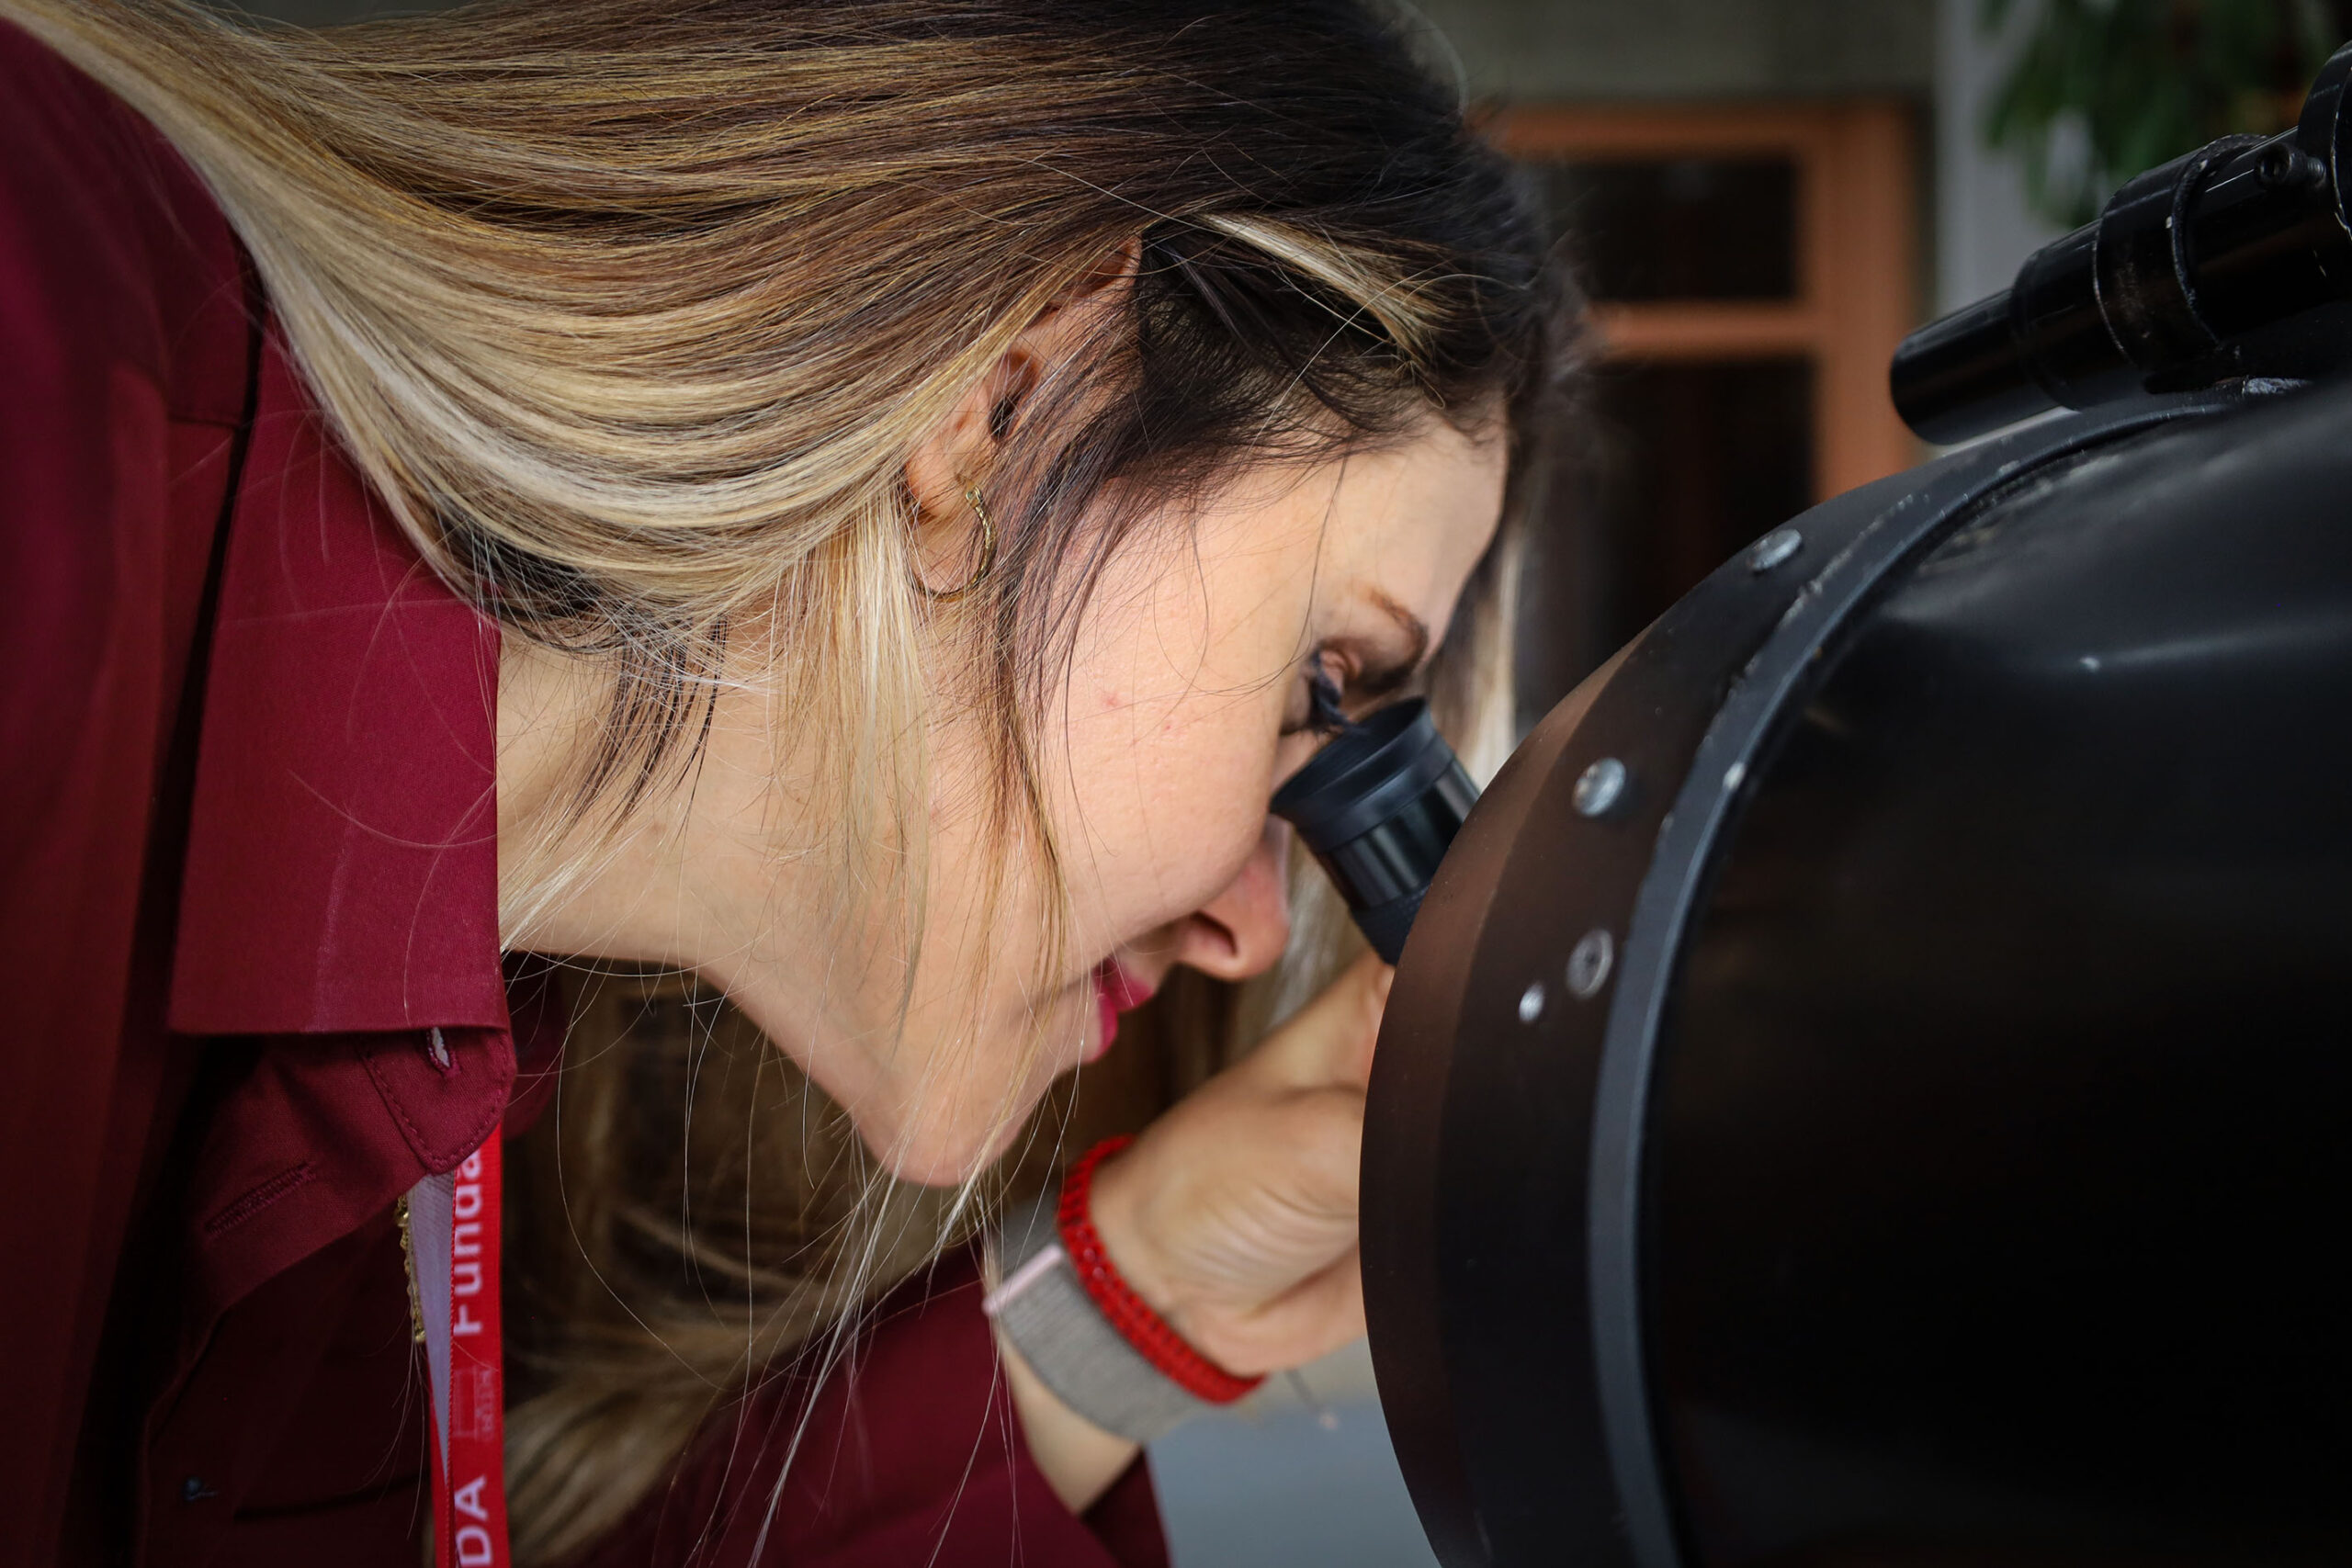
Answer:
(1672, 468)
(1678, 228)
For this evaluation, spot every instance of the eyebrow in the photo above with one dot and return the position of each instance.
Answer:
(1393, 674)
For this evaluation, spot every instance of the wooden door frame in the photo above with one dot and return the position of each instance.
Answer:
(1856, 254)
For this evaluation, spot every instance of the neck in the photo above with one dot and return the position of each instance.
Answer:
(570, 882)
(718, 871)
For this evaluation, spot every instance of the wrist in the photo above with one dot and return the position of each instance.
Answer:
(1078, 1458)
(1143, 1327)
(1044, 1312)
(1117, 1205)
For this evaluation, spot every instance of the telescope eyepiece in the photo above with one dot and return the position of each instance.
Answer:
(1377, 808)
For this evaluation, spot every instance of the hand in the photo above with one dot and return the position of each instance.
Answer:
(1234, 1216)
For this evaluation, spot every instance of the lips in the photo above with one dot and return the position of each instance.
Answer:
(1115, 991)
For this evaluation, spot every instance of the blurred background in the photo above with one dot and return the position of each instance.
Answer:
(1760, 197)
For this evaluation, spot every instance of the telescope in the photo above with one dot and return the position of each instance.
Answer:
(1871, 1082)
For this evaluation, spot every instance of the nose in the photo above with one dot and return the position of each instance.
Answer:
(1244, 928)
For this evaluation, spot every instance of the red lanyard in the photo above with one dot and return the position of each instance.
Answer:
(469, 1480)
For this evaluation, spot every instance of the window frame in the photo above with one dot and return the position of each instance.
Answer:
(1857, 263)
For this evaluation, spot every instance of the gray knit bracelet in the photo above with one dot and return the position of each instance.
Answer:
(1069, 1343)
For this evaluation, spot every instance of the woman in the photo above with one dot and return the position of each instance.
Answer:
(858, 503)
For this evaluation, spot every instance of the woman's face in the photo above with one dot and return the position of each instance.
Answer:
(1184, 708)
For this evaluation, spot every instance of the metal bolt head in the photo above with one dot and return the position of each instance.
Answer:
(1530, 1003)
(1599, 786)
(2283, 166)
(1589, 963)
(1773, 548)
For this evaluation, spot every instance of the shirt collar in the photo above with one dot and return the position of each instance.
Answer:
(341, 868)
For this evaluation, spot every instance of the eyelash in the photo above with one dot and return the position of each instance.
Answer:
(1325, 716)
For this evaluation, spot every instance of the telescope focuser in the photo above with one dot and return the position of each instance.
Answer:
(2233, 262)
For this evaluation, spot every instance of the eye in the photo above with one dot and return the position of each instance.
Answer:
(1322, 711)
(1323, 714)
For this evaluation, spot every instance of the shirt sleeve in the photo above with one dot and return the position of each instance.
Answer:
(914, 1454)
(104, 240)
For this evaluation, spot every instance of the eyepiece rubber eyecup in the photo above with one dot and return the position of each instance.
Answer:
(1364, 775)
(1377, 808)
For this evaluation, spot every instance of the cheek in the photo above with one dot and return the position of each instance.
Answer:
(1168, 799)
(1174, 709)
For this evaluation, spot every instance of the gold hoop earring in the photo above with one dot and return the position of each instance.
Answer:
(987, 555)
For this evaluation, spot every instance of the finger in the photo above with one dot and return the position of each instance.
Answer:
(1322, 1136)
(1312, 1319)
(1283, 1205)
(1331, 1039)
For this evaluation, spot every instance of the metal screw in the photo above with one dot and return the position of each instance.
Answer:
(1530, 1003)
(1599, 786)
(1589, 963)
(2282, 165)
(1773, 548)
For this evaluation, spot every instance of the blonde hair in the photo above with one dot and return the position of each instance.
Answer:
(631, 312)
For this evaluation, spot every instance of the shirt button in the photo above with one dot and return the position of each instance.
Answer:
(194, 1490)
(436, 1047)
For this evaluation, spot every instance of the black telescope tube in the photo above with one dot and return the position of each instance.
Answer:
(1377, 808)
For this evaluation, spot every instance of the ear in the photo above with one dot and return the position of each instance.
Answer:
(964, 449)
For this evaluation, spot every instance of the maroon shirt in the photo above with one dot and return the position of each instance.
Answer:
(247, 860)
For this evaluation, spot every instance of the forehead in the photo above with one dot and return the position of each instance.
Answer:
(1332, 548)
(1411, 519)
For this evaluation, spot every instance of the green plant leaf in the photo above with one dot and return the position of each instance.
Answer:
(2131, 84)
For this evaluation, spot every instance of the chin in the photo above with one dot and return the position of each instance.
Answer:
(948, 1148)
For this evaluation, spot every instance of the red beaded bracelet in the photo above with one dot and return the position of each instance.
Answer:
(1127, 1312)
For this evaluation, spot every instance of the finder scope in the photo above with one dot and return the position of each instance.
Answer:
(2233, 262)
